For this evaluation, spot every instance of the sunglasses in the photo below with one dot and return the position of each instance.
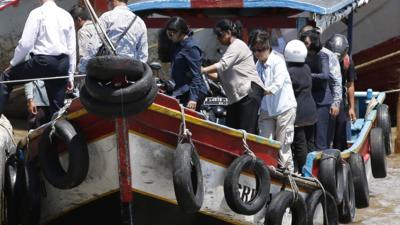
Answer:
(172, 31)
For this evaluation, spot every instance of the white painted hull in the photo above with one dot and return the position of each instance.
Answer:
(151, 176)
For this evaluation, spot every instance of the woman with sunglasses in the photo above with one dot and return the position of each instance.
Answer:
(278, 107)
(237, 73)
(186, 58)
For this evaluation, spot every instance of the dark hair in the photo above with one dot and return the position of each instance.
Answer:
(79, 12)
(260, 36)
(165, 47)
(315, 39)
(124, 1)
(225, 25)
(178, 24)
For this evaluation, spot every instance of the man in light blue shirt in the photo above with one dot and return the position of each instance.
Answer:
(114, 22)
(278, 107)
(37, 104)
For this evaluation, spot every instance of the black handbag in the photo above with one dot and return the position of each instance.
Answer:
(103, 50)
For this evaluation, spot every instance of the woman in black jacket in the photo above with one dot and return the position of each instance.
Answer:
(306, 115)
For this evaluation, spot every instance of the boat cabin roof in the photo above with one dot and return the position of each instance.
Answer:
(252, 13)
(316, 6)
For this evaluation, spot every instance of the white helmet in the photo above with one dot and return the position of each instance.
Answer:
(295, 51)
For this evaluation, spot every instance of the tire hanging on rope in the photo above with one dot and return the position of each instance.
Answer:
(187, 174)
(331, 174)
(360, 181)
(78, 155)
(262, 180)
(377, 152)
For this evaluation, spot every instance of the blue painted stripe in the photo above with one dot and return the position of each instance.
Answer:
(159, 4)
(320, 7)
(362, 136)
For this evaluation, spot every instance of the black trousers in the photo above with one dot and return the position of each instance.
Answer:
(244, 113)
(43, 116)
(337, 128)
(303, 143)
(36, 67)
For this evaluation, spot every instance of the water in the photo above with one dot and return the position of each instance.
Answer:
(384, 206)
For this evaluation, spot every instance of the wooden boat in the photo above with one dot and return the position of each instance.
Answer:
(105, 163)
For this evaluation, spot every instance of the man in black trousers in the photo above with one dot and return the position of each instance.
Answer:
(49, 39)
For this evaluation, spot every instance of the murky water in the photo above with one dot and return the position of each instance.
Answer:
(384, 206)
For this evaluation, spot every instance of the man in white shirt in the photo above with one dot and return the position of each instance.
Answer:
(114, 22)
(49, 39)
(278, 107)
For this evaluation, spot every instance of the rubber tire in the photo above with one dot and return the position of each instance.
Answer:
(111, 110)
(378, 153)
(360, 181)
(104, 68)
(328, 203)
(330, 173)
(384, 122)
(189, 190)
(277, 208)
(13, 181)
(30, 206)
(347, 209)
(231, 185)
(78, 156)
(132, 92)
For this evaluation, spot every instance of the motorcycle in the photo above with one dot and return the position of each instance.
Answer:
(214, 106)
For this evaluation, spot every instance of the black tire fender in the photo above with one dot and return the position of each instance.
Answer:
(360, 181)
(188, 178)
(280, 202)
(328, 204)
(112, 110)
(384, 122)
(30, 205)
(104, 68)
(13, 183)
(138, 89)
(77, 153)
(347, 209)
(231, 185)
(331, 174)
(378, 154)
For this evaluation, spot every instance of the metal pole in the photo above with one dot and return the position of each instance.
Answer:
(350, 32)
(124, 168)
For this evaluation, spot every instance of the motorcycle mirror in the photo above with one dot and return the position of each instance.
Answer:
(155, 65)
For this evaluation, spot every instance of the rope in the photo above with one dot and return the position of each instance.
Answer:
(183, 131)
(377, 60)
(247, 149)
(323, 191)
(40, 78)
(391, 91)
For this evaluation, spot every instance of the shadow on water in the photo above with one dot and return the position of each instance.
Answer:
(147, 211)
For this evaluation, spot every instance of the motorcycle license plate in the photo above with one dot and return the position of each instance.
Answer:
(216, 101)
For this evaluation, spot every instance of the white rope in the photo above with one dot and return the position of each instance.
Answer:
(391, 91)
(183, 131)
(247, 149)
(41, 78)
